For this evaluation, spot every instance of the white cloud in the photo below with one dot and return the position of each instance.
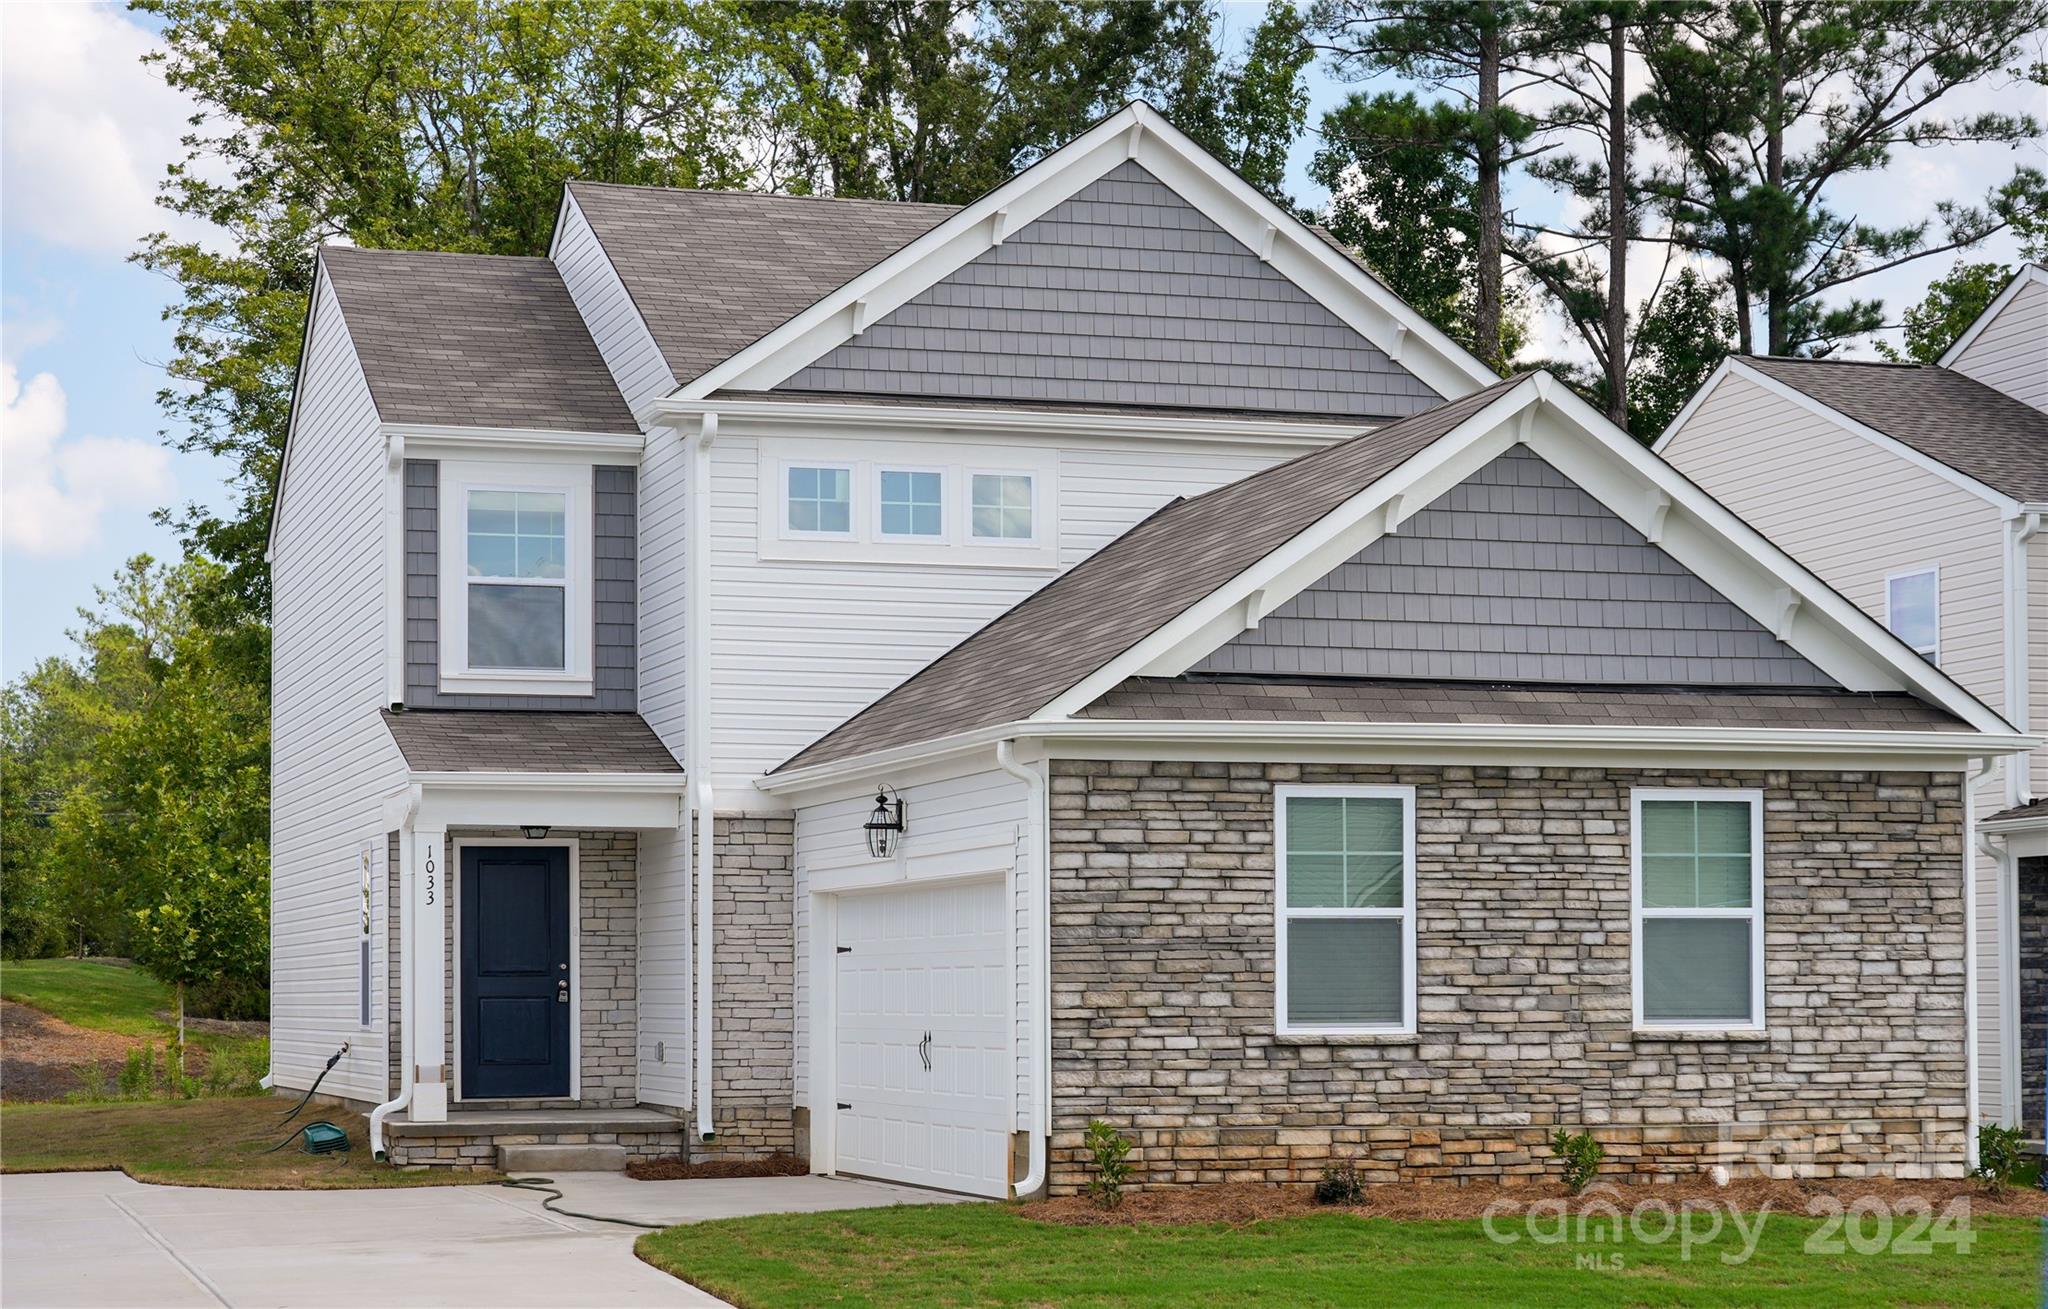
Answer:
(53, 489)
(86, 130)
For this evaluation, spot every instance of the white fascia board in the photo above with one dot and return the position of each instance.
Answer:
(584, 800)
(2005, 504)
(1176, 645)
(1438, 743)
(1138, 133)
(2028, 274)
(1706, 536)
(435, 440)
(1012, 422)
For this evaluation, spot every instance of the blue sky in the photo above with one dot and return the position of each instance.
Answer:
(86, 131)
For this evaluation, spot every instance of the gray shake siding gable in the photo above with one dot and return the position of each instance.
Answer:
(1163, 973)
(614, 599)
(1516, 575)
(1122, 294)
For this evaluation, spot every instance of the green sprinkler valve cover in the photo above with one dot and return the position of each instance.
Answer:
(325, 1138)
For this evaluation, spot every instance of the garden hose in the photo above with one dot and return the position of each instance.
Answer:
(314, 1087)
(546, 1186)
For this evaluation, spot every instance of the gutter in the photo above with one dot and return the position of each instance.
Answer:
(697, 734)
(405, 987)
(1041, 991)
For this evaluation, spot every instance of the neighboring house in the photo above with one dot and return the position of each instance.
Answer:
(1126, 539)
(1918, 492)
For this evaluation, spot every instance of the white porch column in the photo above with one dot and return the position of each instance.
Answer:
(431, 878)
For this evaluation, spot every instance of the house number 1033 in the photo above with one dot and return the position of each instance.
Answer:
(430, 879)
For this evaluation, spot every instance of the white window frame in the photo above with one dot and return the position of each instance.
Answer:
(967, 510)
(868, 457)
(854, 501)
(1755, 913)
(573, 482)
(947, 516)
(1281, 913)
(1931, 653)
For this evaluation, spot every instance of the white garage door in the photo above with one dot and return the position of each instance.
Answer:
(922, 1037)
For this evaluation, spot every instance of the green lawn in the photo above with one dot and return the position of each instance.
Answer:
(200, 1143)
(948, 1255)
(113, 997)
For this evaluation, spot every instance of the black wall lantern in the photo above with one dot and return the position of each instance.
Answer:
(534, 832)
(885, 824)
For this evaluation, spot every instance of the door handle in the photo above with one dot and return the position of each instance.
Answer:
(924, 1051)
(561, 992)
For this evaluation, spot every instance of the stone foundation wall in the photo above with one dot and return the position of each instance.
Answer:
(2033, 957)
(1163, 974)
(475, 1153)
(753, 990)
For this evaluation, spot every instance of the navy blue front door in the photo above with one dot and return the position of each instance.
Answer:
(515, 972)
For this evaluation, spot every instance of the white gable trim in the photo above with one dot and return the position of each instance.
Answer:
(1136, 132)
(2028, 274)
(1733, 365)
(1640, 488)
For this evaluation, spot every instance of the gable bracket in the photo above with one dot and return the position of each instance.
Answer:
(1660, 509)
(999, 226)
(1399, 509)
(1787, 604)
(1400, 342)
(1256, 607)
(863, 315)
(1266, 238)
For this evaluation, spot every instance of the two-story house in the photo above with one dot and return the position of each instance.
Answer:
(893, 682)
(1918, 492)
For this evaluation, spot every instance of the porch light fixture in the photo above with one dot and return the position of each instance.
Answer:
(885, 824)
(533, 832)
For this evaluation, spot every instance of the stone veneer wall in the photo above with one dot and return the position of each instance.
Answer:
(753, 989)
(1162, 960)
(2033, 957)
(607, 911)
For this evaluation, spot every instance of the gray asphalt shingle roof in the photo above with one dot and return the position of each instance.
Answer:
(495, 741)
(1027, 656)
(1975, 429)
(714, 271)
(1330, 700)
(473, 341)
(2031, 809)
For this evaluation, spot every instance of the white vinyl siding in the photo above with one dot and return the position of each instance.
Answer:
(665, 978)
(2011, 353)
(800, 645)
(332, 762)
(970, 823)
(608, 310)
(1854, 512)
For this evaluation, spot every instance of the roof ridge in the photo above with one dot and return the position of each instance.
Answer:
(326, 249)
(1847, 363)
(575, 182)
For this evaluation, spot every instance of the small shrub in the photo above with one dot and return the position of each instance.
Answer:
(236, 1069)
(2001, 1155)
(1341, 1184)
(92, 1085)
(1107, 1149)
(1581, 1155)
(137, 1080)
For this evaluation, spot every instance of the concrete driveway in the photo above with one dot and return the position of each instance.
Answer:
(74, 1239)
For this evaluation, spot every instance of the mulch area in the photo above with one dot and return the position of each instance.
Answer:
(676, 1170)
(1239, 1203)
(41, 1056)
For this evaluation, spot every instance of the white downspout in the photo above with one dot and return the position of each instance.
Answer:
(1970, 1106)
(405, 947)
(697, 606)
(1040, 860)
(2019, 772)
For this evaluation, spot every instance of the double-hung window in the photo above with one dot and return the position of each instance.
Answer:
(516, 545)
(1912, 610)
(1345, 925)
(1699, 921)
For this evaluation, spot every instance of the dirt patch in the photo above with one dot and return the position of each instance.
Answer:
(1237, 1204)
(41, 1058)
(222, 1026)
(676, 1170)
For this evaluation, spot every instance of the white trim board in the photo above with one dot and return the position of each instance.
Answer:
(2029, 273)
(1135, 132)
(1734, 365)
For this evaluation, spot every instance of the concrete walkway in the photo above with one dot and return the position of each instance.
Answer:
(75, 1239)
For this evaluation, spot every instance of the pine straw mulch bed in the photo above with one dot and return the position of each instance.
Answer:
(1235, 1204)
(678, 1170)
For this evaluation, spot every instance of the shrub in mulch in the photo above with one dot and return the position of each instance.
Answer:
(682, 1170)
(1235, 1204)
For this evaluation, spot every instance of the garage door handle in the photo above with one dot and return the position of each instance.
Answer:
(924, 1051)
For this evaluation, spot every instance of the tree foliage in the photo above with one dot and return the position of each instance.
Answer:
(1952, 303)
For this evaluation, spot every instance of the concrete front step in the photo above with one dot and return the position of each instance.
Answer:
(562, 1158)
